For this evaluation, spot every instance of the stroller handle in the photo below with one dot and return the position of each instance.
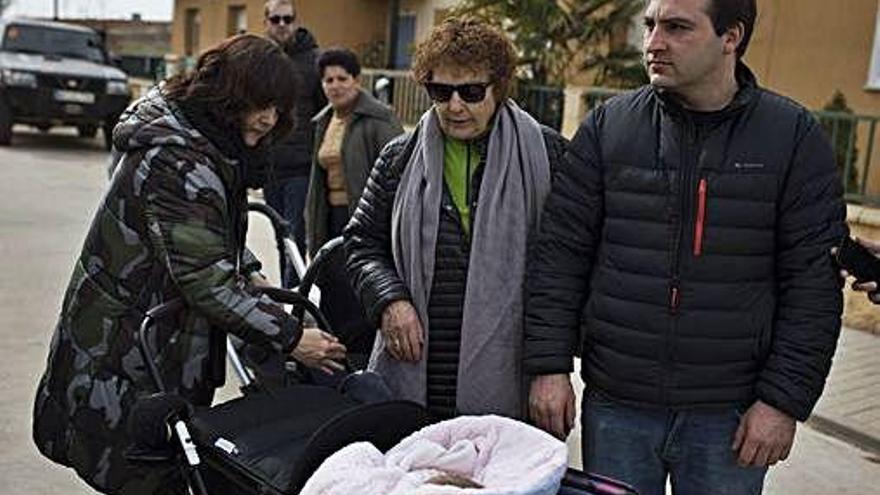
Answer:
(153, 314)
(296, 298)
(280, 227)
(323, 255)
(166, 309)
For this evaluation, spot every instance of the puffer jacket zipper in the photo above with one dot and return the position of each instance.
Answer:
(685, 174)
(700, 224)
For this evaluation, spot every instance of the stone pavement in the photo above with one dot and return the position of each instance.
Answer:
(850, 407)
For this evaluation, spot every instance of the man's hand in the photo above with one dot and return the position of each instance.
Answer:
(870, 287)
(765, 436)
(402, 331)
(320, 350)
(552, 404)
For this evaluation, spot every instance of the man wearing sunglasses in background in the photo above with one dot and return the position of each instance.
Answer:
(437, 245)
(290, 160)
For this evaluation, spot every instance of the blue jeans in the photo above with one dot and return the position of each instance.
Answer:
(644, 447)
(288, 198)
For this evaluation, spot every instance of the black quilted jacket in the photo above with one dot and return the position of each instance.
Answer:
(693, 248)
(371, 268)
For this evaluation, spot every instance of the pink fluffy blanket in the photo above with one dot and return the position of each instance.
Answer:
(503, 456)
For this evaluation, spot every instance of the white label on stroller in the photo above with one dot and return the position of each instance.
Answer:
(226, 446)
(189, 448)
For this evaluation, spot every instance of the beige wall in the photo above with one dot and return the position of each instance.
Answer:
(351, 23)
(426, 11)
(807, 49)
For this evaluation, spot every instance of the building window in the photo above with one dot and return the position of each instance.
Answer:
(191, 28)
(237, 20)
(874, 72)
(406, 35)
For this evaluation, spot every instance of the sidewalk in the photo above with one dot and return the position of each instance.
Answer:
(850, 407)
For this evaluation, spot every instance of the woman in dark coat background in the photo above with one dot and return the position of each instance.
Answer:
(349, 134)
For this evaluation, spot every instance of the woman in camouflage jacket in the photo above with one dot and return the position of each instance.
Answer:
(171, 225)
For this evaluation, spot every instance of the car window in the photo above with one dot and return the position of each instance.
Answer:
(51, 41)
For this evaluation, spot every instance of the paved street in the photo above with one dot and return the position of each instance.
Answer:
(50, 186)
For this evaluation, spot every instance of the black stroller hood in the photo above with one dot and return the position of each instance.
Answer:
(274, 442)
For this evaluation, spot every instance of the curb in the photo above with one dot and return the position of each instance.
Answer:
(840, 431)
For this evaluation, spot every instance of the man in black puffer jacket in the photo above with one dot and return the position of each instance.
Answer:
(688, 231)
(290, 161)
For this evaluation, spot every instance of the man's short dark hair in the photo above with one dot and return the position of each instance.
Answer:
(726, 14)
(341, 57)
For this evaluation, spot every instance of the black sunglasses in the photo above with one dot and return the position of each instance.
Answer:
(276, 19)
(469, 93)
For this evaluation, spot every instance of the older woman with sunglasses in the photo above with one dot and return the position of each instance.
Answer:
(437, 245)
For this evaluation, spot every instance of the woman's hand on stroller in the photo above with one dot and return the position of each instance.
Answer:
(320, 350)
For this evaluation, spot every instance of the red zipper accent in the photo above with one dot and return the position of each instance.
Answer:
(674, 299)
(701, 217)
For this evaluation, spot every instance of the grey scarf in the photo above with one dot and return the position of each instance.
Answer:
(515, 182)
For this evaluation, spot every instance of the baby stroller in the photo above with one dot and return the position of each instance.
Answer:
(269, 442)
(357, 335)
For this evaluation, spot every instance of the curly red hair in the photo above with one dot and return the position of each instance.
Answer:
(470, 44)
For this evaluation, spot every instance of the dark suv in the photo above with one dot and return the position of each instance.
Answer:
(57, 74)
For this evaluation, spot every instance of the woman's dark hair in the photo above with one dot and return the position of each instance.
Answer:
(726, 14)
(242, 74)
(341, 57)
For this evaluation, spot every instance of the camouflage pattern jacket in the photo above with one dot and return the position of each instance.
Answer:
(172, 224)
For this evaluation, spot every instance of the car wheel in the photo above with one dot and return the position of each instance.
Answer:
(87, 131)
(5, 124)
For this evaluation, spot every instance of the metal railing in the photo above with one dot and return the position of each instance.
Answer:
(853, 139)
(545, 103)
(410, 100)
